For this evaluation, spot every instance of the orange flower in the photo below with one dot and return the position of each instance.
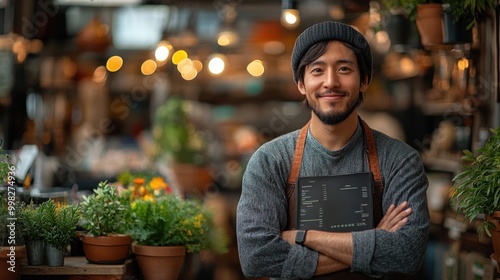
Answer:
(148, 189)
(139, 181)
(157, 183)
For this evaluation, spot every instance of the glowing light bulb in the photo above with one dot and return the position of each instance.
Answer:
(290, 18)
(114, 63)
(255, 68)
(216, 64)
(163, 50)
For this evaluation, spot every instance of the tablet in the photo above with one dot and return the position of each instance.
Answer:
(341, 203)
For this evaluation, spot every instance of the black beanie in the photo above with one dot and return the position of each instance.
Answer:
(326, 31)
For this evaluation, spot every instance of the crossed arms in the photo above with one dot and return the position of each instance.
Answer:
(336, 248)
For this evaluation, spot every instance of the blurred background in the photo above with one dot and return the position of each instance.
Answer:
(81, 82)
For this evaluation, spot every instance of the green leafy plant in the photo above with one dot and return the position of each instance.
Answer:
(32, 221)
(4, 166)
(61, 223)
(103, 212)
(4, 171)
(175, 135)
(173, 221)
(470, 9)
(4, 215)
(459, 9)
(408, 7)
(476, 189)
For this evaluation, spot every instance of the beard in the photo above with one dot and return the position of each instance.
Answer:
(333, 118)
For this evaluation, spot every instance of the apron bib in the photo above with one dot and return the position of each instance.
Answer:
(377, 196)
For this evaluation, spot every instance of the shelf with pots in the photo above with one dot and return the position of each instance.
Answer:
(456, 17)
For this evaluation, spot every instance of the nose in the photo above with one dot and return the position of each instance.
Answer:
(331, 79)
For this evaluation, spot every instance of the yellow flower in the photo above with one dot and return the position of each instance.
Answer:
(149, 197)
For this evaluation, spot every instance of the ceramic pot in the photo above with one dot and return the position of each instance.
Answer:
(495, 236)
(455, 32)
(430, 24)
(54, 256)
(159, 262)
(112, 249)
(190, 179)
(10, 262)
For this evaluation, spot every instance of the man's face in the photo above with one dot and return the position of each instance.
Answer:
(332, 84)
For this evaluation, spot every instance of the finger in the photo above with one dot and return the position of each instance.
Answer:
(398, 225)
(395, 215)
(403, 214)
(394, 212)
(400, 220)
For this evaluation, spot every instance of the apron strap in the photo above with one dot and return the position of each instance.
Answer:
(375, 170)
(297, 155)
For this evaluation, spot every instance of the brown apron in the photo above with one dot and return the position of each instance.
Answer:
(377, 197)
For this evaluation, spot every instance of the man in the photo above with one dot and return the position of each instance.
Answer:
(332, 66)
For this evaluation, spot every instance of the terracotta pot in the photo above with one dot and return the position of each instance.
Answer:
(159, 262)
(113, 249)
(495, 236)
(430, 24)
(190, 179)
(10, 262)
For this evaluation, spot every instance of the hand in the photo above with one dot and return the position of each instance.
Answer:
(395, 218)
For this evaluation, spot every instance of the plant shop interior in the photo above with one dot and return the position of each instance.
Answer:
(107, 107)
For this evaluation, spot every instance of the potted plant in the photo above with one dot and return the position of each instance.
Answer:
(470, 10)
(103, 218)
(32, 226)
(476, 189)
(428, 14)
(165, 228)
(182, 146)
(61, 222)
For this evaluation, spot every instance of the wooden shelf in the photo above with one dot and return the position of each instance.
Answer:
(79, 268)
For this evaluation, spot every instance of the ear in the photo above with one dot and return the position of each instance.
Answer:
(301, 87)
(364, 85)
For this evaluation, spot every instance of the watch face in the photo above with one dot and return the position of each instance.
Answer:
(300, 237)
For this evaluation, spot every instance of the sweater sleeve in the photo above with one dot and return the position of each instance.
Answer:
(378, 252)
(261, 216)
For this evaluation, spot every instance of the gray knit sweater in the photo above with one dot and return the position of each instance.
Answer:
(263, 207)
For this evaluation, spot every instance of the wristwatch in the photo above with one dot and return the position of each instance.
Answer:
(300, 237)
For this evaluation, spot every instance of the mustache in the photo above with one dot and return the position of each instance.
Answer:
(331, 92)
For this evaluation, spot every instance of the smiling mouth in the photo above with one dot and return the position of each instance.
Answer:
(331, 96)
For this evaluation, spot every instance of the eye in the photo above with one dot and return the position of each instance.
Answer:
(316, 70)
(344, 69)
